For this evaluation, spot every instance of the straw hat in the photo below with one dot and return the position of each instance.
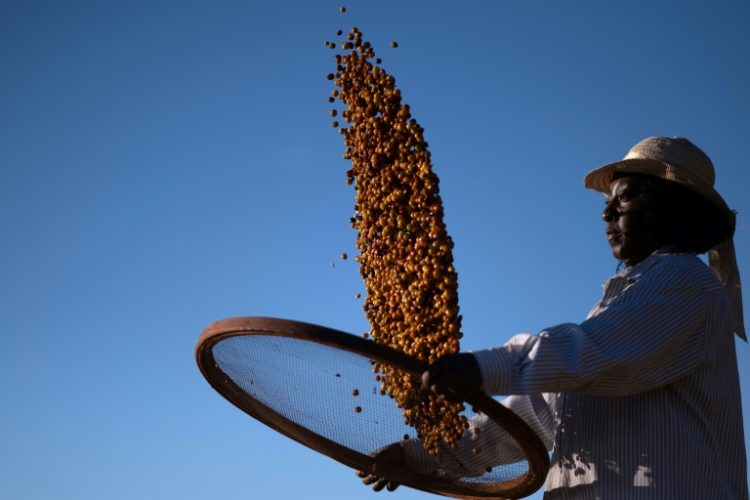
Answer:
(676, 159)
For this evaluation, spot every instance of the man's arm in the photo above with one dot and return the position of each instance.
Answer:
(485, 444)
(648, 336)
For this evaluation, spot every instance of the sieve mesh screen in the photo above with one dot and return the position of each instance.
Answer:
(317, 386)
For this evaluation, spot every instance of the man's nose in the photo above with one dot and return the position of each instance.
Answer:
(609, 213)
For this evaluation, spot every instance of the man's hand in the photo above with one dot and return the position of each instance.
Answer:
(378, 483)
(392, 454)
(455, 376)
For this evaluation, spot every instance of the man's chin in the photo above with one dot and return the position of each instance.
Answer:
(617, 252)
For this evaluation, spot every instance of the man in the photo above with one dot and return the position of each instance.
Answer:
(641, 400)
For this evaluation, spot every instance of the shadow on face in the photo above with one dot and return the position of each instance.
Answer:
(644, 213)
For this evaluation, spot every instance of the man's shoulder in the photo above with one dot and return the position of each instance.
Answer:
(686, 267)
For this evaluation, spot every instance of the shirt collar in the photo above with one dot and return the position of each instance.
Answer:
(634, 272)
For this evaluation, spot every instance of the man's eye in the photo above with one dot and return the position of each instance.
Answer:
(624, 197)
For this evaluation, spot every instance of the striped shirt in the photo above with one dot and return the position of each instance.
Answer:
(642, 399)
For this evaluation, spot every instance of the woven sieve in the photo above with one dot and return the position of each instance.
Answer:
(316, 386)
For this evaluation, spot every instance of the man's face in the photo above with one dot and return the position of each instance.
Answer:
(629, 231)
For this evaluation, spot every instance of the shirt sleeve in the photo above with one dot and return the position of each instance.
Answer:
(649, 335)
(485, 443)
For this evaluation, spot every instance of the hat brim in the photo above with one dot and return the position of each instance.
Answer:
(600, 178)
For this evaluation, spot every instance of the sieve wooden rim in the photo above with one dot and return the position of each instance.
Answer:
(534, 450)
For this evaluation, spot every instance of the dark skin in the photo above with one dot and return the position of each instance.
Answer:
(456, 377)
(629, 231)
(392, 455)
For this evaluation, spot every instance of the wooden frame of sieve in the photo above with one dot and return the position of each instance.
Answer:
(534, 450)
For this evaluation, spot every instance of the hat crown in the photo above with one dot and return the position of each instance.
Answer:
(674, 159)
(686, 161)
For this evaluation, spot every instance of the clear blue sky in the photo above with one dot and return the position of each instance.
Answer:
(164, 164)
